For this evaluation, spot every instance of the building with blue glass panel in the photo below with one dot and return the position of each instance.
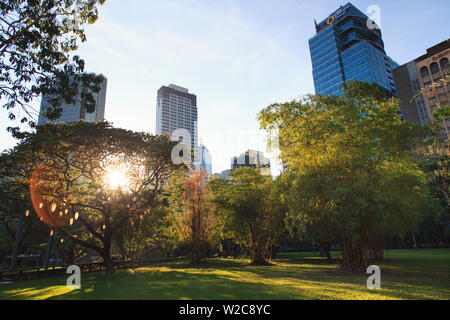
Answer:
(345, 48)
(205, 160)
(75, 112)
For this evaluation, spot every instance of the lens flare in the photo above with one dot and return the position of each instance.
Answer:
(38, 186)
(116, 178)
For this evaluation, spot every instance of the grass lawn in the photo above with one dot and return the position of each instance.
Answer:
(405, 274)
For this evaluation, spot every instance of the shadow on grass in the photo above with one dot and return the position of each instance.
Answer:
(405, 275)
(170, 285)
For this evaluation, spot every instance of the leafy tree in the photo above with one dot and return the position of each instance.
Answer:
(94, 176)
(353, 180)
(296, 231)
(435, 227)
(145, 234)
(440, 115)
(441, 181)
(70, 252)
(23, 230)
(250, 211)
(37, 39)
(194, 214)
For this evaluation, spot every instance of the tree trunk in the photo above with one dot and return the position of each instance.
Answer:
(414, 241)
(259, 256)
(354, 256)
(325, 250)
(260, 252)
(15, 252)
(106, 254)
(49, 248)
(109, 263)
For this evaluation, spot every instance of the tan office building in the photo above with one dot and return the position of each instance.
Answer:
(433, 70)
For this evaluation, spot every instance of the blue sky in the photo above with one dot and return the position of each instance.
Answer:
(236, 56)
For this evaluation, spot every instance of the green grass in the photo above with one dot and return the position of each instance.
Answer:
(406, 274)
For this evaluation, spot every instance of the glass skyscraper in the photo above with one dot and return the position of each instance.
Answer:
(75, 112)
(345, 48)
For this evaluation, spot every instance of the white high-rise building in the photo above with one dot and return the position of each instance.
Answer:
(176, 115)
(74, 112)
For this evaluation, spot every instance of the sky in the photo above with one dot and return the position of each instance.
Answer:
(238, 57)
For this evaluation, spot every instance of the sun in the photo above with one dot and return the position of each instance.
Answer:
(116, 178)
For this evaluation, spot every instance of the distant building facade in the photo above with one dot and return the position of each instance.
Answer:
(250, 158)
(413, 105)
(176, 114)
(74, 112)
(433, 70)
(345, 48)
(429, 73)
(226, 174)
(205, 160)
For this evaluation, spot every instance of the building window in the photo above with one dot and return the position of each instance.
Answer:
(445, 66)
(424, 72)
(434, 68)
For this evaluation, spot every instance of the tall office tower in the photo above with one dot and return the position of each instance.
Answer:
(251, 158)
(345, 48)
(74, 112)
(412, 105)
(176, 113)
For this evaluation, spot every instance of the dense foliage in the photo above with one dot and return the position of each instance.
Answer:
(94, 176)
(193, 214)
(250, 211)
(37, 41)
(353, 180)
